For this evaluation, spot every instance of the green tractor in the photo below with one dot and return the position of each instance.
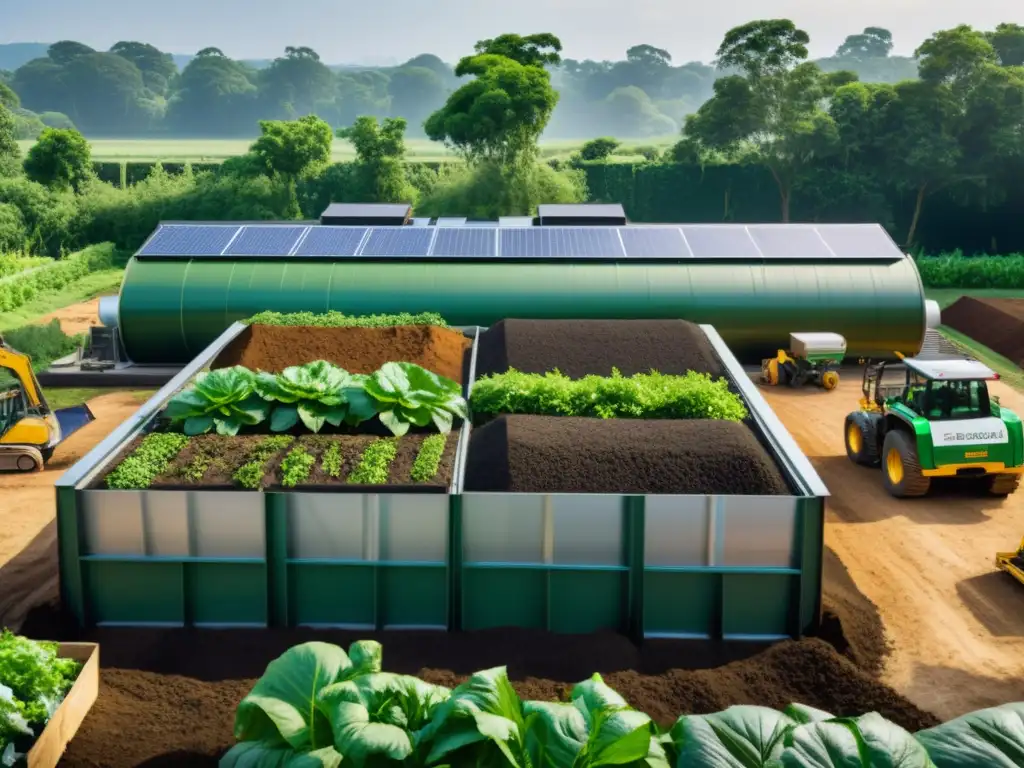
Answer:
(922, 419)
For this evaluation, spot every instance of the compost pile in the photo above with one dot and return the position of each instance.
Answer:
(517, 453)
(273, 348)
(996, 323)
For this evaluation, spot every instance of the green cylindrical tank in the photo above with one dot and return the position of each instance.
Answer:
(170, 310)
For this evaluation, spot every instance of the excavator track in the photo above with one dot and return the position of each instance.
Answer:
(20, 458)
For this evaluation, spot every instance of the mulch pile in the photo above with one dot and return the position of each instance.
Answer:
(273, 348)
(996, 323)
(554, 454)
(580, 348)
(178, 689)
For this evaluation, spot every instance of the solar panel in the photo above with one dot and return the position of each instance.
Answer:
(654, 243)
(790, 241)
(464, 241)
(398, 241)
(189, 240)
(859, 241)
(720, 241)
(265, 241)
(331, 241)
(551, 242)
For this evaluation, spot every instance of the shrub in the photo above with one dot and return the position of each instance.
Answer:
(954, 270)
(43, 343)
(53, 276)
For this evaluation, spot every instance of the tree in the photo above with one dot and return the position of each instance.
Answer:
(771, 115)
(61, 159)
(954, 57)
(66, 51)
(872, 43)
(298, 82)
(40, 85)
(629, 112)
(530, 50)
(8, 98)
(216, 96)
(1008, 41)
(10, 153)
(290, 148)
(380, 159)
(500, 114)
(104, 95)
(415, 92)
(158, 68)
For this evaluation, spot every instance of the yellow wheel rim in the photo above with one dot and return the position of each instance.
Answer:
(830, 380)
(853, 439)
(894, 466)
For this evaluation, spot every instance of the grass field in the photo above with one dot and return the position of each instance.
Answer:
(216, 150)
(90, 286)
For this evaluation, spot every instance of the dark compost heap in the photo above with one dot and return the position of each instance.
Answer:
(996, 323)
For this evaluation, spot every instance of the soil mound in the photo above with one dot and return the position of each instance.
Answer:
(548, 454)
(996, 323)
(581, 348)
(273, 348)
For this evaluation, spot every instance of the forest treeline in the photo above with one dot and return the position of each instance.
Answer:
(135, 90)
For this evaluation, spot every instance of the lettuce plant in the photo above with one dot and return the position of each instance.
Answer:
(315, 393)
(224, 399)
(407, 395)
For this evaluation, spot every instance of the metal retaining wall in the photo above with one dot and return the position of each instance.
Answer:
(657, 565)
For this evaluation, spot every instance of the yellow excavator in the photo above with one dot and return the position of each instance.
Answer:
(29, 429)
(1012, 562)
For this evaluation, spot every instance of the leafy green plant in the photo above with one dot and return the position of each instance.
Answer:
(224, 399)
(315, 393)
(428, 460)
(33, 682)
(196, 469)
(954, 270)
(296, 467)
(375, 463)
(407, 395)
(250, 474)
(147, 462)
(333, 319)
(642, 396)
(331, 460)
(50, 276)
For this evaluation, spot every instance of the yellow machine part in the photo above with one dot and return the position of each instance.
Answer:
(830, 380)
(31, 430)
(1005, 561)
(23, 443)
(770, 367)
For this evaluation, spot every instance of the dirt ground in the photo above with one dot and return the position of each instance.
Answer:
(78, 318)
(28, 530)
(955, 623)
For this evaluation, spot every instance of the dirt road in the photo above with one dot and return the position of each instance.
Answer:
(28, 534)
(78, 318)
(955, 623)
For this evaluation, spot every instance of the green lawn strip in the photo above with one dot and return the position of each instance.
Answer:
(296, 467)
(1009, 373)
(250, 474)
(375, 463)
(147, 462)
(333, 319)
(101, 283)
(64, 397)
(332, 460)
(428, 460)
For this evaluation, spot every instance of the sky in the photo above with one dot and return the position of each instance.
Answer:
(391, 31)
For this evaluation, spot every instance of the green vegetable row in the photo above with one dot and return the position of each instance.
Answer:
(33, 682)
(317, 705)
(643, 396)
(147, 462)
(334, 319)
(401, 395)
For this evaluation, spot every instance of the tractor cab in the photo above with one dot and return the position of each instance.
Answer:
(921, 419)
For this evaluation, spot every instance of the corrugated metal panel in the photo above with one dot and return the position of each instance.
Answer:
(177, 308)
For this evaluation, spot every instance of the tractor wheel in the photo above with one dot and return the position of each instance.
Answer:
(861, 439)
(901, 468)
(1001, 485)
(829, 380)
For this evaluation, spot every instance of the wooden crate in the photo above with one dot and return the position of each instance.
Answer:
(49, 747)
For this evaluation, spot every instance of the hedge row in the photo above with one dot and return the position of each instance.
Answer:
(53, 275)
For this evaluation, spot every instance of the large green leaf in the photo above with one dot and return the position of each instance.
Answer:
(484, 708)
(282, 704)
(988, 738)
(598, 728)
(258, 754)
(376, 715)
(408, 394)
(739, 737)
(223, 399)
(869, 741)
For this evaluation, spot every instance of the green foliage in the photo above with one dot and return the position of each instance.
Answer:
(375, 462)
(333, 319)
(250, 474)
(318, 706)
(291, 148)
(331, 461)
(10, 153)
(33, 682)
(224, 400)
(954, 270)
(599, 149)
(196, 469)
(50, 277)
(43, 343)
(642, 396)
(315, 393)
(296, 467)
(12, 264)
(13, 235)
(147, 462)
(380, 167)
(428, 460)
(407, 395)
(60, 158)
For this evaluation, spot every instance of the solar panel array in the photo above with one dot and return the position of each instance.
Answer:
(687, 242)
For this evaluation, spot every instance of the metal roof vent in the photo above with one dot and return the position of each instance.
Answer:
(582, 214)
(366, 214)
(515, 221)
